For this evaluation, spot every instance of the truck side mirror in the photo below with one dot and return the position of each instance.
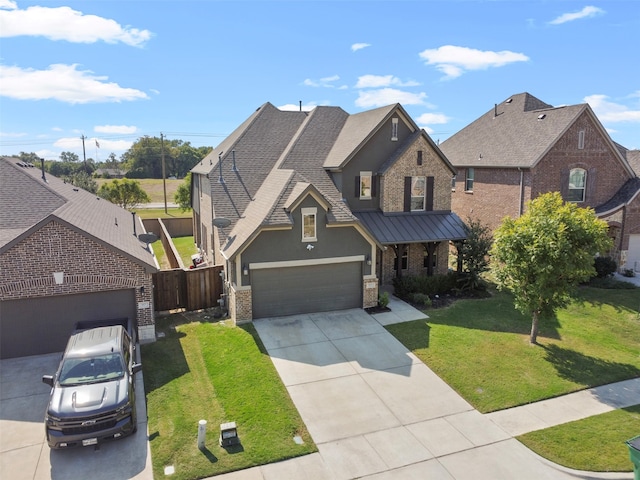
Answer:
(48, 379)
(135, 368)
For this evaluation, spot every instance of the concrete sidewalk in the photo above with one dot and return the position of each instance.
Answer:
(567, 408)
(376, 411)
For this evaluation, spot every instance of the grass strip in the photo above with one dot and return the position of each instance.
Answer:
(595, 444)
(218, 373)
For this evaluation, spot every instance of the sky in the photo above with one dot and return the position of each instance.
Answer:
(114, 71)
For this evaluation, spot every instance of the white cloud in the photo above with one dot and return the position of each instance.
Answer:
(432, 119)
(290, 107)
(586, 12)
(124, 129)
(64, 23)
(359, 46)
(75, 143)
(64, 83)
(607, 111)
(453, 61)
(378, 81)
(387, 96)
(327, 82)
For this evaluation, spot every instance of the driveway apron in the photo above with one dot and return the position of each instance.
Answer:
(376, 411)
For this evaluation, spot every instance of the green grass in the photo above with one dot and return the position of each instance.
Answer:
(218, 373)
(594, 444)
(154, 187)
(481, 349)
(186, 248)
(160, 213)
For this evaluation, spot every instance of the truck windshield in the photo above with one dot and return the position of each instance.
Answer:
(102, 368)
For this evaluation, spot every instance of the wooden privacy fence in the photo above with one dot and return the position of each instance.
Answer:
(192, 289)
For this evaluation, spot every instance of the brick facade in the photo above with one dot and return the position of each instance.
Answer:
(27, 270)
(392, 184)
(240, 304)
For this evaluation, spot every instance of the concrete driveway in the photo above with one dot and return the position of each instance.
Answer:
(24, 453)
(375, 411)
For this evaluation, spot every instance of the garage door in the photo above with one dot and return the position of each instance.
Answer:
(316, 288)
(42, 325)
(633, 256)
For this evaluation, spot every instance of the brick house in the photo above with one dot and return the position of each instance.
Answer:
(311, 211)
(65, 256)
(524, 147)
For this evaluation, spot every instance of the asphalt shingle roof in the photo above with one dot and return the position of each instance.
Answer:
(27, 200)
(516, 133)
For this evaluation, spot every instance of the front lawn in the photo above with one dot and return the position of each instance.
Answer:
(594, 444)
(218, 373)
(480, 347)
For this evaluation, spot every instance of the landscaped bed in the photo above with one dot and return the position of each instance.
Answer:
(208, 370)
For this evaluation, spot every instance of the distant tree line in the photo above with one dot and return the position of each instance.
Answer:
(142, 160)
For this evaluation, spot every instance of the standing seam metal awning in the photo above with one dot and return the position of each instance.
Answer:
(395, 228)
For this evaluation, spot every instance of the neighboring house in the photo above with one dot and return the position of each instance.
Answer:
(311, 211)
(65, 255)
(524, 147)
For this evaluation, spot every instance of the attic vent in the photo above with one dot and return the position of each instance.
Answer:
(542, 116)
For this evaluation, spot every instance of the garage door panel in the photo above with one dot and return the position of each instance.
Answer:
(318, 288)
(42, 325)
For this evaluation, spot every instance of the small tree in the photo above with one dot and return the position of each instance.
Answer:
(126, 193)
(473, 253)
(543, 255)
(183, 195)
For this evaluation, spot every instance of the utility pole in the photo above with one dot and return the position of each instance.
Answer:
(84, 153)
(164, 181)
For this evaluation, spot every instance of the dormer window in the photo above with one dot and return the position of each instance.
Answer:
(309, 224)
(577, 185)
(394, 129)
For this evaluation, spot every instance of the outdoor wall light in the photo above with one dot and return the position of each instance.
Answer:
(368, 259)
(245, 269)
(142, 290)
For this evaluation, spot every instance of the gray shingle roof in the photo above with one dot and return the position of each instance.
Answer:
(623, 197)
(518, 136)
(27, 201)
(633, 157)
(278, 156)
(413, 228)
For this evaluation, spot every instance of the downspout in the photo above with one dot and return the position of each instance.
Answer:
(520, 206)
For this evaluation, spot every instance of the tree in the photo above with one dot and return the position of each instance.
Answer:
(69, 157)
(83, 180)
(543, 255)
(183, 195)
(126, 193)
(473, 253)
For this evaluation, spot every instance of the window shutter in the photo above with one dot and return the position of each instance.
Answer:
(407, 194)
(357, 187)
(375, 179)
(429, 192)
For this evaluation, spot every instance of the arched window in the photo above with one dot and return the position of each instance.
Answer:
(577, 185)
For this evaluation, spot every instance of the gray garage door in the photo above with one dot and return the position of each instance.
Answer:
(42, 325)
(317, 288)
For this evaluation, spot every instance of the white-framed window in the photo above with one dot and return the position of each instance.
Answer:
(309, 224)
(577, 185)
(581, 140)
(365, 185)
(468, 184)
(418, 190)
(394, 129)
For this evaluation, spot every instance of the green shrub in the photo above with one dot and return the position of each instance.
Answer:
(434, 285)
(421, 299)
(383, 299)
(605, 266)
